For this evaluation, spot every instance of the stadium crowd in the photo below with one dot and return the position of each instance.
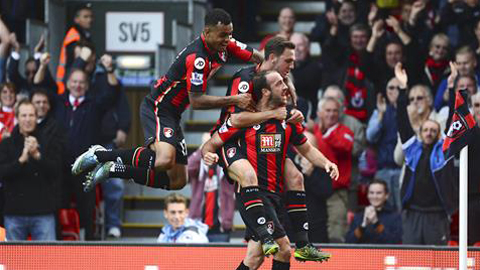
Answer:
(376, 103)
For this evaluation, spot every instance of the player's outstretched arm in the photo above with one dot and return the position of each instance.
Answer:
(200, 101)
(248, 119)
(209, 148)
(318, 159)
(257, 57)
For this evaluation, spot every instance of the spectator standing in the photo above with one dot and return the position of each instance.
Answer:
(377, 224)
(4, 46)
(463, 14)
(428, 189)
(180, 228)
(213, 200)
(28, 162)
(336, 142)
(286, 25)
(7, 114)
(349, 67)
(382, 132)
(307, 73)
(79, 33)
(23, 83)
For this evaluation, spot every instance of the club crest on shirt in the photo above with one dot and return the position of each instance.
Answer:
(284, 124)
(270, 143)
(231, 152)
(257, 127)
(168, 132)
(270, 227)
(197, 78)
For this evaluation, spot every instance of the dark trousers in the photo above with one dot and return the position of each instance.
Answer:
(317, 219)
(425, 228)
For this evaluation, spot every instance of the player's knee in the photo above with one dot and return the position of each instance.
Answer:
(165, 162)
(284, 252)
(254, 261)
(178, 182)
(294, 180)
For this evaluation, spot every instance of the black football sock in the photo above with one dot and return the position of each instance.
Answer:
(139, 157)
(255, 211)
(278, 265)
(297, 212)
(142, 176)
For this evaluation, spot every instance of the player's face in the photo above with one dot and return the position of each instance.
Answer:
(176, 214)
(218, 36)
(27, 118)
(377, 195)
(84, 18)
(42, 106)
(285, 62)
(429, 132)
(7, 97)
(77, 84)
(279, 89)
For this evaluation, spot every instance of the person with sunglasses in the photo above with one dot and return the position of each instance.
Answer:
(382, 132)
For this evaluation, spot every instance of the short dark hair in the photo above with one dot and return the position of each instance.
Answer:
(259, 82)
(175, 198)
(40, 91)
(9, 85)
(82, 6)
(277, 46)
(217, 15)
(380, 182)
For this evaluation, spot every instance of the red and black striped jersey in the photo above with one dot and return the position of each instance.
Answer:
(192, 67)
(241, 83)
(265, 146)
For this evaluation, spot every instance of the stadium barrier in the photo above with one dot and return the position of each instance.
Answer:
(125, 255)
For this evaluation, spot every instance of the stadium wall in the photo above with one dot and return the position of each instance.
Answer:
(115, 255)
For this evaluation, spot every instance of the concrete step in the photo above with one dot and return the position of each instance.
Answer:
(269, 27)
(133, 189)
(198, 125)
(194, 137)
(144, 216)
(206, 115)
(217, 90)
(300, 7)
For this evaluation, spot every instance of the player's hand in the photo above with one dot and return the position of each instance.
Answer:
(280, 113)
(245, 101)
(210, 158)
(332, 169)
(297, 117)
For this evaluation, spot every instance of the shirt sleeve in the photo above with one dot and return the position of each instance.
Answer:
(297, 137)
(240, 50)
(197, 70)
(227, 131)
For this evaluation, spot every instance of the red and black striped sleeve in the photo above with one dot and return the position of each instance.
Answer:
(297, 137)
(240, 50)
(197, 70)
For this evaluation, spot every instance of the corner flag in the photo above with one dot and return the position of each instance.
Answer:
(460, 131)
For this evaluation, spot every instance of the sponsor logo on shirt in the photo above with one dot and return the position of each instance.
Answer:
(243, 87)
(270, 143)
(199, 63)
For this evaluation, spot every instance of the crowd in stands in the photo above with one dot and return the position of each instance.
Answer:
(376, 102)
